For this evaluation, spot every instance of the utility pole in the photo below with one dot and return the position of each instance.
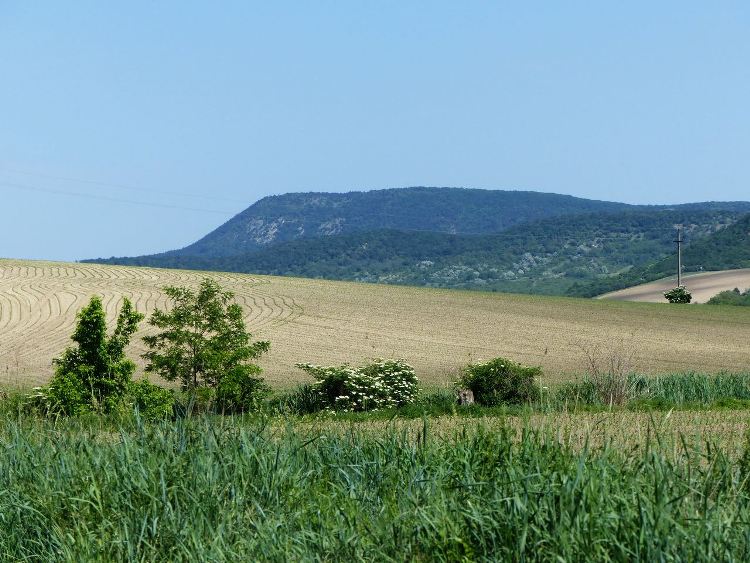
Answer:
(679, 255)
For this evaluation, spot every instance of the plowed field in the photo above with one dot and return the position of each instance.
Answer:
(330, 322)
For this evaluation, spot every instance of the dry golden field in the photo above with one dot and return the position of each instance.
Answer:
(331, 322)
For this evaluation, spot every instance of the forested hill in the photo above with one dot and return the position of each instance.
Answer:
(726, 249)
(446, 210)
(545, 256)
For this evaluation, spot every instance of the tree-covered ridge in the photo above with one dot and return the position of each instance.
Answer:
(726, 249)
(294, 216)
(546, 256)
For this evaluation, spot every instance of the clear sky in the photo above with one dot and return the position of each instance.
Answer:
(198, 109)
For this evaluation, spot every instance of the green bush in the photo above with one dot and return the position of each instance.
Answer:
(65, 394)
(379, 384)
(733, 297)
(238, 391)
(153, 402)
(198, 400)
(304, 399)
(93, 375)
(501, 382)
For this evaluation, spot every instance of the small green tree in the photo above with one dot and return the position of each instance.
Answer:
(678, 295)
(94, 374)
(203, 342)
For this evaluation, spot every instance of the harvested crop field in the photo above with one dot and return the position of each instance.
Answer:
(702, 286)
(332, 322)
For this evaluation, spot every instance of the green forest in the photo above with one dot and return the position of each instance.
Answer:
(579, 254)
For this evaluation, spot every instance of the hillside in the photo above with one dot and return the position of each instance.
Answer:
(329, 322)
(727, 249)
(545, 256)
(448, 210)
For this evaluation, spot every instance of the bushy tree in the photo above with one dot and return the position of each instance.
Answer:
(203, 342)
(94, 374)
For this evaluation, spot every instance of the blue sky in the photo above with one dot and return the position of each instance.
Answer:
(166, 118)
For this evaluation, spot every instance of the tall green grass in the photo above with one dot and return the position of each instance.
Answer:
(676, 389)
(217, 489)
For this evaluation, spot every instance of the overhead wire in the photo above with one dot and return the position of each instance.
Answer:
(27, 187)
(120, 186)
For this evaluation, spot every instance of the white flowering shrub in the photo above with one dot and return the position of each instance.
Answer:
(678, 295)
(379, 384)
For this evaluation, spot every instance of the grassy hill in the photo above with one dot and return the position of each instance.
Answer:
(544, 256)
(333, 322)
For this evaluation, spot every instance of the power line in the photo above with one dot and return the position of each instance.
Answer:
(27, 187)
(120, 186)
(679, 242)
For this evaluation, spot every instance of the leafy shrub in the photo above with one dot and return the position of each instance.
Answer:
(678, 295)
(65, 394)
(238, 391)
(733, 297)
(196, 401)
(501, 381)
(379, 384)
(93, 375)
(153, 402)
(304, 399)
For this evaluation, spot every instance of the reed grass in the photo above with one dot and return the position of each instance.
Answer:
(667, 390)
(219, 489)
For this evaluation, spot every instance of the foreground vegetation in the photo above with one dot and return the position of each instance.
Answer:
(361, 463)
(224, 489)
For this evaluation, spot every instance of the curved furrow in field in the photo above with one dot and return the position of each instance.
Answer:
(284, 308)
(6, 309)
(262, 312)
(35, 300)
(294, 310)
(20, 309)
(253, 306)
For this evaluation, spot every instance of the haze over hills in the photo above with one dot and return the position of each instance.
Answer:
(526, 242)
